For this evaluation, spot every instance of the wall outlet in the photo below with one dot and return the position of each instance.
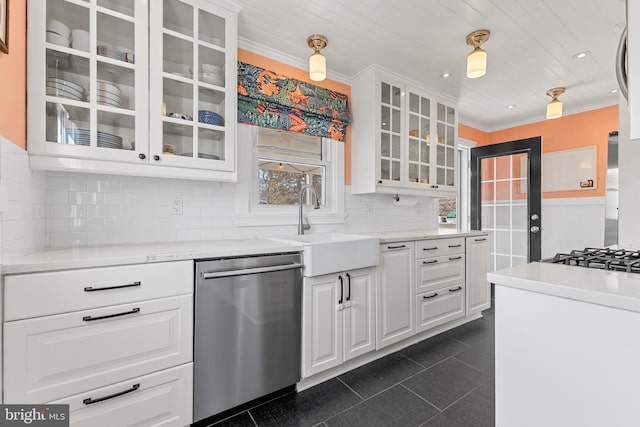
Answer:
(176, 206)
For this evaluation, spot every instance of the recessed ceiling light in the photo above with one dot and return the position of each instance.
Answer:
(445, 75)
(581, 55)
(613, 90)
(511, 107)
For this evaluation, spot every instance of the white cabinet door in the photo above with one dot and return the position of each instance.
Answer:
(47, 358)
(359, 321)
(395, 294)
(478, 289)
(439, 307)
(162, 398)
(322, 324)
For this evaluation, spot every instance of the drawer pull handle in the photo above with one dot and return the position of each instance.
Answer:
(480, 240)
(433, 261)
(459, 288)
(90, 400)
(109, 316)
(430, 249)
(396, 247)
(435, 294)
(455, 258)
(454, 246)
(107, 288)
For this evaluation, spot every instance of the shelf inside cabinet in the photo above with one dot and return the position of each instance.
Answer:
(121, 9)
(73, 15)
(211, 28)
(178, 17)
(116, 34)
(177, 50)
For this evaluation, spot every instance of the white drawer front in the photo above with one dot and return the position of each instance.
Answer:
(439, 307)
(162, 398)
(439, 247)
(42, 294)
(438, 272)
(51, 357)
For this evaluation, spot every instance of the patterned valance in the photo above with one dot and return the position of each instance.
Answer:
(274, 101)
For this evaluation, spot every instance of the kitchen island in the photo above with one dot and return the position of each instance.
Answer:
(567, 347)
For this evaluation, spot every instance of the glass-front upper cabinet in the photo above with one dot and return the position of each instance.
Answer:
(391, 101)
(445, 145)
(87, 81)
(193, 83)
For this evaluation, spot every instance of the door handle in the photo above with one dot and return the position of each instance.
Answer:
(459, 288)
(535, 229)
(396, 247)
(90, 400)
(435, 294)
(106, 288)
(455, 258)
(430, 249)
(341, 290)
(430, 262)
(348, 287)
(454, 246)
(109, 316)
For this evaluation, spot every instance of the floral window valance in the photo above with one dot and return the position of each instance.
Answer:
(271, 100)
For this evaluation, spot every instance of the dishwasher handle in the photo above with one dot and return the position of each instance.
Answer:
(229, 273)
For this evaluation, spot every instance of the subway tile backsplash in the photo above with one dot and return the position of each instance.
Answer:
(64, 209)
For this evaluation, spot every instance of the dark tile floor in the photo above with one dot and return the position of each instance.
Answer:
(446, 380)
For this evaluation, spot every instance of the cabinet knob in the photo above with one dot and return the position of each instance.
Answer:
(156, 158)
(141, 156)
(380, 182)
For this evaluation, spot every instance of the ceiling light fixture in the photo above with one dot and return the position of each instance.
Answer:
(614, 90)
(317, 61)
(581, 55)
(477, 59)
(554, 108)
(445, 75)
(511, 107)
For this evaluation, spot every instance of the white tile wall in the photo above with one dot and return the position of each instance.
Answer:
(24, 214)
(89, 209)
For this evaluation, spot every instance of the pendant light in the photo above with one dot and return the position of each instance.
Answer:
(477, 59)
(554, 108)
(317, 61)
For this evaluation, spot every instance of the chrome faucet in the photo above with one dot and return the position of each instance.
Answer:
(316, 205)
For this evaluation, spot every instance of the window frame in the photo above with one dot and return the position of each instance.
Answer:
(248, 212)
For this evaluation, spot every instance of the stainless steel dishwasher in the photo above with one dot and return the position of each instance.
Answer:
(247, 329)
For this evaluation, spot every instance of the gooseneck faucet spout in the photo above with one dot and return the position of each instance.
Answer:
(316, 205)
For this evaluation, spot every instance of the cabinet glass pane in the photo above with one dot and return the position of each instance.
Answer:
(211, 66)
(211, 107)
(414, 103)
(450, 136)
(440, 178)
(424, 128)
(126, 7)
(385, 118)
(395, 171)
(395, 97)
(385, 170)
(67, 124)
(179, 138)
(116, 39)
(425, 107)
(450, 177)
(386, 93)
(395, 146)
(441, 114)
(211, 28)
(178, 57)
(395, 119)
(441, 133)
(441, 156)
(178, 97)
(115, 131)
(210, 144)
(178, 16)
(450, 157)
(414, 125)
(67, 76)
(414, 150)
(385, 144)
(62, 19)
(115, 87)
(424, 174)
(451, 115)
(425, 153)
(413, 173)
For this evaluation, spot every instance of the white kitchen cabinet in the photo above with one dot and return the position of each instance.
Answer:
(395, 293)
(404, 139)
(477, 261)
(95, 105)
(440, 306)
(338, 320)
(162, 398)
(633, 64)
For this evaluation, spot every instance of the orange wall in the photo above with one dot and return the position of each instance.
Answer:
(566, 133)
(300, 74)
(13, 76)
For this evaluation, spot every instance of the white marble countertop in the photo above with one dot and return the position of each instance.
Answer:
(604, 287)
(102, 256)
(406, 235)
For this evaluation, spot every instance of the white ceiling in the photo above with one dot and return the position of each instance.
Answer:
(530, 50)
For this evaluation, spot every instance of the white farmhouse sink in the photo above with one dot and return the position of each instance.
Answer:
(333, 252)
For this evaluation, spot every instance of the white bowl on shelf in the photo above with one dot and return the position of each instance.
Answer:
(55, 38)
(59, 28)
(80, 39)
(212, 68)
(108, 87)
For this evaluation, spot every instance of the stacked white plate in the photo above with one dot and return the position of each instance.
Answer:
(213, 74)
(58, 33)
(55, 38)
(202, 156)
(82, 137)
(110, 52)
(108, 94)
(80, 40)
(64, 89)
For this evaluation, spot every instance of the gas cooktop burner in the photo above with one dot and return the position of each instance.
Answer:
(603, 258)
